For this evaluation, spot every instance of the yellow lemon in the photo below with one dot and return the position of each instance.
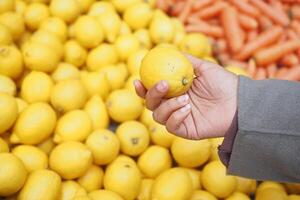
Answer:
(104, 194)
(152, 3)
(271, 193)
(269, 184)
(215, 142)
(67, 10)
(56, 26)
(71, 190)
(237, 70)
(32, 157)
(35, 14)
(7, 85)
(165, 63)
(125, 159)
(96, 83)
(24, 40)
(101, 56)
(7, 5)
(20, 6)
(143, 36)
(195, 178)
(96, 109)
(125, 29)
(81, 198)
(65, 71)
(196, 44)
(11, 61)
(36, 86)
(111, 24)
(135, 59)
(88, 32)
(134, 137)
(41, 184)
(100, 7)
(138, 16)
(215, 180)
(8, 111)
(178, 25)
(203, 195)
(172, 184)
(145, 191)
(5, 36)
(14, 22)
(75, 125)
(68, 95)
(116, 76)
(131, 104)
(4, 148)
(34, 124)
(122, 5)
(147, 119)
(161, 30)
(178, 37)
(123, 68)
(126, 45)
(245, 185)
(123, 178)
(238, 196)
(85, 4)
(154, 161)
(47, 145)
(40, 57)
(129, 83)
(104, 146)
(159, 134)
(92, 179)
(74, 53)
(12, 175)
(293, 197)
(70, 159)
(21, 104)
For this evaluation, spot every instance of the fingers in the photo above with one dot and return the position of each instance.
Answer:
(139, 88)
(165, 109)
(175, 122)
(200, 65)
(155, 95)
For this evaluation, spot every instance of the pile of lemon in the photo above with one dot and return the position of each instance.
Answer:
(66, 73)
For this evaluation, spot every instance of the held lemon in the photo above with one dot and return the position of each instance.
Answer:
(71, 190)
(203, 195)
(35, 14)
(138, 16)
(104, 194)
(65, 71)
(145, 191)
(74, 53)
(8, 111)
(159, 134)
(67, 10)
(11, 61)
(165, 63)
(92, 179)
(111, 24)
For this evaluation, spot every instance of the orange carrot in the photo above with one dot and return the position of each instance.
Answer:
(273, 53)
(234, 34)
(271, 70)
(223, 57)
(201, 3)
(247, 22)
(291, 34)
(251, 68)
(271, 12)
(266, 38)
(211, 11)
(162, 4)
(295, 12)
(296, 27)
(281, 72)
(260, 74)
(207, 29)
(289, 60)
(176, 8)
(292, 74)
(252, 35)
(245, 7)
(236, 63)
(186, 11)
(279, 8)
(264, 22)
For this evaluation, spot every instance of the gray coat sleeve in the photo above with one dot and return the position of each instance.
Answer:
(267, 143)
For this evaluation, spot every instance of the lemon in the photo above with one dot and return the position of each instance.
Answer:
(271, 193)
(104, 146)
(215, 142)
(178, 37)
(138, 16)
(161, 30)
(14, 22)
(178, 25)
(154, 161)
(134, 137)
(215, 180)
(247, 186)
(65, 71)
(36, 86)
(67, 10)
(237, 70)
(166, 63)
(47, 145)
(70, 159)
(74, 53)
(41, 185)
(40, 57)
(12, 175)
(196, 44)
(7, 85)
(159, 134)
(122, 5)
(92, 179)
(11, 62)
(125, 159)
(24, 40)
(104, 194)
(21, 104)
(131, 104)
(101, 56)
(75, 125)
(116, 75)
(195, 178)
(123, 68)
(32, 157)
(269, 184)
(7, 5)
(125, 29)
(34, 124)
(68, 95)
(71, 190)
(5, 36)
(129, 83)
(172, 184)
(147, 119)
(203, 195)
(20, 6)
(126, 45)
(96, 83)
(100, 7)
(135, 59)
(56, 26)
(152, 3)
(35, 14)
(293, 197)
(4, 148)
(111, 24)
(85, 4)
(238, 196)
(8, 111)
(145, 191)
(144, 38)
(83, 197)
(123, 178)
(179, 31)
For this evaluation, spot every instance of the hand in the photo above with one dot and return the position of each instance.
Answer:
(205, 111)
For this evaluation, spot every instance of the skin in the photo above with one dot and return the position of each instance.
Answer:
(205, 111)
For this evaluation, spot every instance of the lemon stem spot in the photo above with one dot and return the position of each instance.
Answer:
(185, 81)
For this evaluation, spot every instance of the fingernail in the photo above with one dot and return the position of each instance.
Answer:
(135, 83)
(183, 98)
(162, 86)
(185, 108)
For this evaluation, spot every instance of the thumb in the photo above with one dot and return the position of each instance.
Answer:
(200, 65)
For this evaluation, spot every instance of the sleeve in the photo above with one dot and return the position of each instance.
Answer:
(267, 142)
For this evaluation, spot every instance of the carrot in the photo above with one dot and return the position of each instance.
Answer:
(295, 12)
(186, 11)
(223, 58)
(236, 63)
(220, 46)
(292, 74)
(271, 12)
(264, 22)
(176, 8)
(271, 70)
(251, 67)
(281, 72)
(162, 4)
(260, 74)
(247, 22)
(289, 60)
(252, 35)
(201, 3)
(291, 34)
(266, 38)
(295, 25)
(211, 11)
(279, 8)
(273, 53)
(207, 29)
(233, 33)
(245, 7)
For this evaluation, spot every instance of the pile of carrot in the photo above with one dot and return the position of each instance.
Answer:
(263, 36)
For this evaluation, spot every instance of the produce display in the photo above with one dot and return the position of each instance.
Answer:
(71, 124)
